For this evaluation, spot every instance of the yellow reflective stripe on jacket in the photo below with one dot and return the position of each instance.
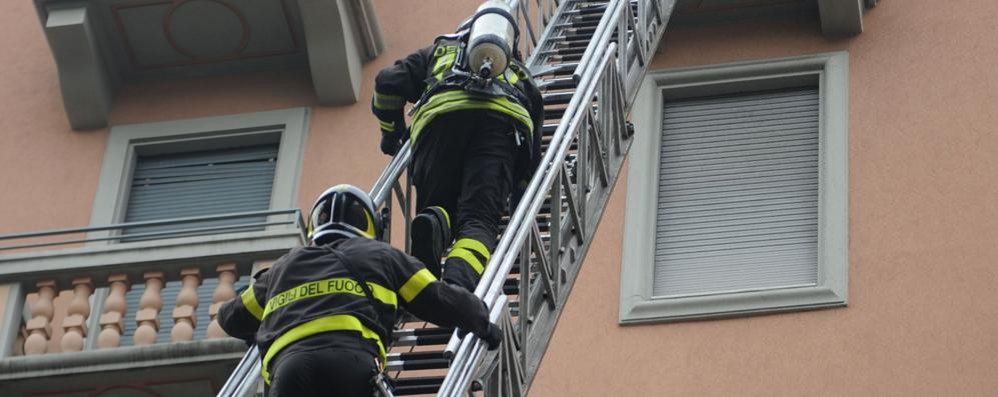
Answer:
(411, 289)
(339, 285)
(469, 257)
(388, 102)
(450, 101)
(339, 322)
(473, 245)
(249, 301)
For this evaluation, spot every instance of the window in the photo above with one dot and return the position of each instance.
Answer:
(201, 183)
(207, 166)
(737, 191)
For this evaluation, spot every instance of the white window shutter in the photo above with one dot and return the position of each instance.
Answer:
(203, 183)
(738, 193)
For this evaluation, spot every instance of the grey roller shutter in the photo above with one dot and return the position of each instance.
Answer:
(169, 297)
(738, 193)
(201, 183)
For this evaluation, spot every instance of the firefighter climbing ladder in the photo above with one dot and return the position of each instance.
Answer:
(589, 58)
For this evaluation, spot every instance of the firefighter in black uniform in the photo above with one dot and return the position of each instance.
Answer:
(323, 314)
(474, 144)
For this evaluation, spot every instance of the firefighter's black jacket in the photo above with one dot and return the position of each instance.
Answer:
(308, 292)
(406, 81)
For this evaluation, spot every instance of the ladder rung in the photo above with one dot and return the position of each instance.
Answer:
(548, 129)
(587, 31)
(412, 356)
(555, 70)
(422, 336)
(511, 286)
(559, 98)
(558, 84)
(572, 44)
(578, 24)
(570, 51)
(564, 51)
(585, 22)
(587, 10)
(572, 37)
(422, 332)
(404, 388)
(570, 57)
(406, 365)
(553, 114)
(586, 17)
(419, 381)
(566, 69)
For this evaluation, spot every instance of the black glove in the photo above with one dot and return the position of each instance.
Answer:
(493, 336)
(390, 143)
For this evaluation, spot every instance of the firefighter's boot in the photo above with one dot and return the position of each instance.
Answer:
(430, 237)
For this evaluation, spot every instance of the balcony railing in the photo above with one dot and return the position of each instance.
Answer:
(99, 298)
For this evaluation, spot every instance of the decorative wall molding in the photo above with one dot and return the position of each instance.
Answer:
(99, 44)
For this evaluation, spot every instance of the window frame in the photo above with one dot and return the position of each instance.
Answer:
(126, 142)
(830, 72)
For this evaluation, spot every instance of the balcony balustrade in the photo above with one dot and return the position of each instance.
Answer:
(93, 314)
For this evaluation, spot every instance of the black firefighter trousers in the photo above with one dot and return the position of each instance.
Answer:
(322, 372)
(464, 162)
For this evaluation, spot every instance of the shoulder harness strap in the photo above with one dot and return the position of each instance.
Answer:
(363, 285)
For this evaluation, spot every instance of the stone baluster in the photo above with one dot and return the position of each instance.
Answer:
(112, 322)
(39, 327)
(223, 292)
(185, 312)
(260, 265)
(150, 304)
(19, 344)
(75, 323)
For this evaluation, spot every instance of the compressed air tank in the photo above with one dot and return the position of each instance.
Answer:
(491, 40)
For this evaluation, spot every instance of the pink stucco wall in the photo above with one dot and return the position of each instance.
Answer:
(48, 174)
(923, 307)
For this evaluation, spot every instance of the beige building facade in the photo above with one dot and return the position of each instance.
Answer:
(921, 225)
(905, 237)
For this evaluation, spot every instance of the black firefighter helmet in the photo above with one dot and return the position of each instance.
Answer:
(342, 211)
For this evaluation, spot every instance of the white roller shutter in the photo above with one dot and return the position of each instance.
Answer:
(201, 183)
(738, 193)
